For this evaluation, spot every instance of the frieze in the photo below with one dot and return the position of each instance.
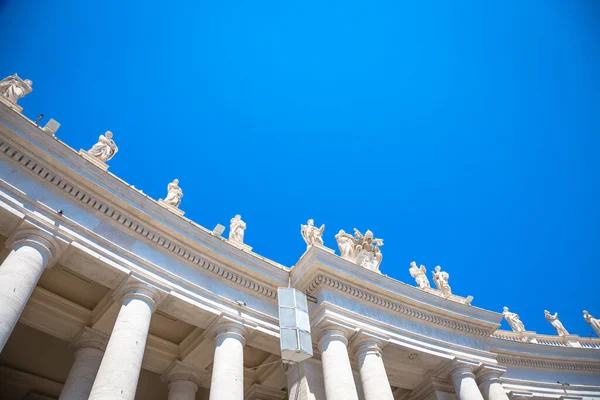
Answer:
(547, 364)
(134, 226)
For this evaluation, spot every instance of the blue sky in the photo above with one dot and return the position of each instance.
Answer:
(464, 134)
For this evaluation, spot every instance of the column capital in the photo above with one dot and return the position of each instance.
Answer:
(179, 371)
(135, 288)
(461, 368)
(332, 333)
(49, 243)
(90, 338)
(366, 342)
(231, 329)
(489, 372)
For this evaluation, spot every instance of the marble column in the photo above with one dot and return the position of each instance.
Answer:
(89, 347)
(227, 382)
(373, 376)
(488, 378)
(31, 252)
(183, 381)
(120, 369)
(463, 379)
(337, 371)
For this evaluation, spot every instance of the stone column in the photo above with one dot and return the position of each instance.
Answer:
(31, 252)
(89, 347)
(120, 368)
(227, 382)
(183, 380)
(463, 380)
(337, 371)
(488, 378)
(373, 377)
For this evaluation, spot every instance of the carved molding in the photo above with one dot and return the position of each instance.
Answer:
(87, 200)
(548, 364)
(412, 312)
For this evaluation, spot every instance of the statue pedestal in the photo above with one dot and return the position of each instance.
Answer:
(528, 336)
(93, 160)
(572, 340)
(321, 247)
(15, 107)
(169, 207)
(239, 245)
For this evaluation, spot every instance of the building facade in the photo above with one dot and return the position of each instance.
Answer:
(106, 293)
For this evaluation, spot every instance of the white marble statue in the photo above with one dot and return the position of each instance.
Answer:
(346, 245)
(595, 323)
(553, 319)
(440, 278)
(311, 234)
(174, 194)
(14, 88)
(236, 229)
(420, 275)
(105, 149)
(513, 320)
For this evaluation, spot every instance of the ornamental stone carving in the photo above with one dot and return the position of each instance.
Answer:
(237, 228)
(311, 234)
(420, 275)
(105, 148)
(513, 320)
(360, 249)
(553, 319)
(595, 323)
(440, 278)
(174, 194)
(13, 88)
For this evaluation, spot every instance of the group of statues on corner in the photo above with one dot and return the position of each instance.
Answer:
(360, 249)
(516, 325)
(440, 278)
(13, 88)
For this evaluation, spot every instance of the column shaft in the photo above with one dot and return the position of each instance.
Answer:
(83, 372)
(337, 371)
(227, 381)
(120, 368)
(464, 384)
(491, 386)
(19, 274)
(373, 376)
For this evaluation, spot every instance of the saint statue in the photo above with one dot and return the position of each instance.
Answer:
(312, 234)
(174, 194)
(553, 319)
(236, 229)
(420, 275)
(14, 88)
(440, 278)
(513, 320)
(595, 323)
(105, 149)
(346, 245)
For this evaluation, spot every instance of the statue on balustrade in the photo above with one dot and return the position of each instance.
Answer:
(236, 229)
(14, 88)
(420, 275)
(595, 323)
(311, 234)
(368, 253)
(513, 320)
(105, 149)
(440, 278)
(174, 194)
(346, 245)
(553, 319)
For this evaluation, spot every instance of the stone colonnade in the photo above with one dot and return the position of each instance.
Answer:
(109, 367)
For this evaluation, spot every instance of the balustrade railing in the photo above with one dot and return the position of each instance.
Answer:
(548, 340)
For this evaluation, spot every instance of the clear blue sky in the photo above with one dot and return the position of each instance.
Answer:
(464, 134)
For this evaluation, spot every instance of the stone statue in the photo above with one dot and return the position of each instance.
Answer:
(345, 243)
(105, 149)
(312, 234)
(174, 194)
(553, 319)
(440, 278)
(420, 275)
(595, 323)
(14, 88)
(513, 320)
(236, 229)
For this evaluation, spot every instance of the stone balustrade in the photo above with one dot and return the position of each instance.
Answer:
(548, 340)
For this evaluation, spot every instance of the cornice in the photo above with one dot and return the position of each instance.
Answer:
(394, 306)
(549, 364)
(86, 200)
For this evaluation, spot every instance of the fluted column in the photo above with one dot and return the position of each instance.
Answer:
(463, 380)
(337, 371)
(488, 378)
(89, 348)
(183, 381)
(373, 376)
(227, 381)
(31, 252)
(119, 371)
